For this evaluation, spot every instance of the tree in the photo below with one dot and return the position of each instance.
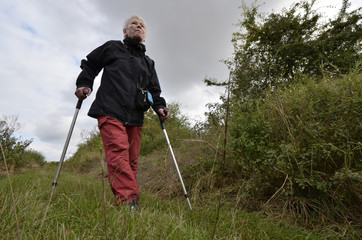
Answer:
(339, 44)
(272, 50)
(293, 113)
(13, 146)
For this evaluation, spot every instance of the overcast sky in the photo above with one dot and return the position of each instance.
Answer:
(43, 41)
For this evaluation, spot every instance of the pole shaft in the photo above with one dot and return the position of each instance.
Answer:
(79, 104)
(177, 168)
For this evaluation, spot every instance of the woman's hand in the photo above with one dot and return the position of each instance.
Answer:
(164, 114)
(82, 93)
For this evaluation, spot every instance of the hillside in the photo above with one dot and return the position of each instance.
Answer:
(293, 155)
(317, 198)
(79, 210)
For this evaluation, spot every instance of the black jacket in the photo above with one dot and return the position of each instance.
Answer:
(124, 65)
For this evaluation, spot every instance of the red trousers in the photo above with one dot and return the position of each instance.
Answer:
(121, 145)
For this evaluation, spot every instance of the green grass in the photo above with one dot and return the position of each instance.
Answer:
(76, 211)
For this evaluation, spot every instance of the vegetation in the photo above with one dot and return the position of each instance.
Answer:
(305, 141)
(295, 114)
(276, 49)
(13, 146)
(293, 154)
(32, 158)
(78, 208)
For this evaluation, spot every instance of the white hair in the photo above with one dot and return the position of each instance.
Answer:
(128, 20)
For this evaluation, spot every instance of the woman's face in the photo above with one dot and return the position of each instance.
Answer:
(135, 30)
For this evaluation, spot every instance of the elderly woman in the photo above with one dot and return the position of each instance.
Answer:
(126, 70)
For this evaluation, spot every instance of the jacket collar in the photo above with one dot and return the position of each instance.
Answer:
(134, 47)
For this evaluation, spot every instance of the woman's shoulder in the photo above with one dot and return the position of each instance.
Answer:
(114, 43)
(115, 47)
(149, 60)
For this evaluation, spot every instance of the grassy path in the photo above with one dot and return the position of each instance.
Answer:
(77, 211)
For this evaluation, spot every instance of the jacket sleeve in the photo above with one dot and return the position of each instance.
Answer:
(155, 88)
(93, 64)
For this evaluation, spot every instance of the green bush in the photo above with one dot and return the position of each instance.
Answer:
(304, 139)
(88, 155)
(32, 158)
(177, 127)
(12, 147)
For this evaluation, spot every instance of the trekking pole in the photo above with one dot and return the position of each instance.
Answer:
(78, 106)
(174, 160)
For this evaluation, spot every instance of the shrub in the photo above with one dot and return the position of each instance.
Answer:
(177, 127)
(31, 158)
(13, 146)
(88, 155)
(303, 140)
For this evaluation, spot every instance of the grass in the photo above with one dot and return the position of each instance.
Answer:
(77, 211)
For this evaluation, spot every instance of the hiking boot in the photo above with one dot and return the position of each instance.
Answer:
(133, 205)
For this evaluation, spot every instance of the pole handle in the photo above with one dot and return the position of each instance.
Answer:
(159, 118)
(80, 101)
